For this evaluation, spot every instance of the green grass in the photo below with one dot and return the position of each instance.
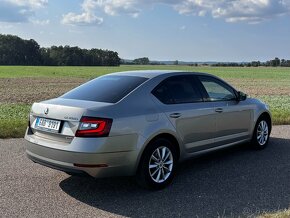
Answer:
(280, 108)
(13, 120)
(90, 72)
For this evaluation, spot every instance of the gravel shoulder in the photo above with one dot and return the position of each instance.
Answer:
(229, 183)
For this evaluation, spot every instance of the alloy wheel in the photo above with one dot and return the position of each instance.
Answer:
(262, 133)
(160, 164)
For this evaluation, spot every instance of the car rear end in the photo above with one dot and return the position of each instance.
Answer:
(78, 134)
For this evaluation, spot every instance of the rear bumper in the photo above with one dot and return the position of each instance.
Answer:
(51, 164)
(121, 163)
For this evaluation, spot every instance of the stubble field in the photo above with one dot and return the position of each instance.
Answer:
(21, 86)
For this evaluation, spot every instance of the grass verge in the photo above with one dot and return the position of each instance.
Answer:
(280, 108)
(13, 120)
(92, 72)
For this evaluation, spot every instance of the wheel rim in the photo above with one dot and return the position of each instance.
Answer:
(160, 164)
(262, 132)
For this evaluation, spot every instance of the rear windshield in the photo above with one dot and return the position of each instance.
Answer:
(110, 89)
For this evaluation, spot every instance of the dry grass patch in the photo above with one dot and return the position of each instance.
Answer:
(280, 214)
(256, 87)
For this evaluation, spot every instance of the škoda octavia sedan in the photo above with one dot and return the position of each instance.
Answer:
(142, 123)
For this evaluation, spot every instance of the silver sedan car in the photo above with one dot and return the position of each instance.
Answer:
(143, 123)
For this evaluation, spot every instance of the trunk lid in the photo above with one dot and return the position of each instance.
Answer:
(66, 112)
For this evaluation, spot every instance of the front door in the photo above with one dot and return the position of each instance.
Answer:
(232, 117)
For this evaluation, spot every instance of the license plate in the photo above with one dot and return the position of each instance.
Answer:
(47, 124)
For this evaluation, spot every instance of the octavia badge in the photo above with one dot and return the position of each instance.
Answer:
(46, 111)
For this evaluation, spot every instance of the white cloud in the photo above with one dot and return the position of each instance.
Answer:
(249, 11)
(116, 7)
(29, 3)
(19, 10)
(83, 19)
(40, 22)
(87, 17)
(110, 7)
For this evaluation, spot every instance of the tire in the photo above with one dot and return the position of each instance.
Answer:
(158, 165)
(261, 134)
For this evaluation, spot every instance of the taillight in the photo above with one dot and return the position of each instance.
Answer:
(94, 127)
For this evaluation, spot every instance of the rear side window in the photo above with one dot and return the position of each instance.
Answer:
(110, 89)
(177, 90)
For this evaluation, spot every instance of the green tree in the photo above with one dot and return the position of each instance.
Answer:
(141, 61)
(276, 62)
(17, 51)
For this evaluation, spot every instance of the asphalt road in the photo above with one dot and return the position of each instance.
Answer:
(234, 182)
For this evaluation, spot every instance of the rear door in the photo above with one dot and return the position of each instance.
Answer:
(180, 99)
(232, 118)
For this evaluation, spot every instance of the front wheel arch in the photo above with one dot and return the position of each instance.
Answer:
(266, 116)
(254, 142)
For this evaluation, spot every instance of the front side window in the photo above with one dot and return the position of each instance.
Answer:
(217, 90)
(177, 90)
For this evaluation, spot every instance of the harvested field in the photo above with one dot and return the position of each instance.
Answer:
(29, 90)
(259, 87)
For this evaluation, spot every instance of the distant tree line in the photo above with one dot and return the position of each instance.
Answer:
(137, 61)
(75, 56)
(271, 63)
(17, 51)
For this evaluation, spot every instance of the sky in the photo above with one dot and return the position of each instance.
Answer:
(184, 30)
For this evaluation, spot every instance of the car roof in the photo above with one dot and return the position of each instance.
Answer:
(154, 73)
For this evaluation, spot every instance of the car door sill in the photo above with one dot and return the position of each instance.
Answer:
(216, 142)
(200, 152)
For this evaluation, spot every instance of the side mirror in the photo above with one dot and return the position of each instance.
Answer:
(242, 96)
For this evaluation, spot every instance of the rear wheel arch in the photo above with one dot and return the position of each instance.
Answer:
(170, 138)
(167, 136)
(145, 177)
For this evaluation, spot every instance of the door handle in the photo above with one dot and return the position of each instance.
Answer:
(219, 110)
(175, 115)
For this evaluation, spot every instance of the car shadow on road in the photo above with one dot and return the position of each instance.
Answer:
(234, 182)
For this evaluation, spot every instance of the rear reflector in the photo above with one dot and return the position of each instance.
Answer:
(94, 127)
(91, 165)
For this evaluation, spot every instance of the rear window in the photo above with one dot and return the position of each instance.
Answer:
(110, 89)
